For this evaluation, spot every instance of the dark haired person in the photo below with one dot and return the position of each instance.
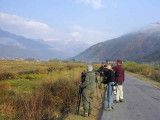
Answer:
(88, 88)
(101, 75)
(119, 75)
(109, 78)
(83, 76)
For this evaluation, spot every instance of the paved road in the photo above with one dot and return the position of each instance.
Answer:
(142, 102)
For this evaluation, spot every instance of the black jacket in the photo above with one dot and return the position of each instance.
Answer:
(100, 70)
(109, 76)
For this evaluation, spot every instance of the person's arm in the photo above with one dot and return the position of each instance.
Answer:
(100, 70)
(114, 68)
(123, 75)
(86, 82)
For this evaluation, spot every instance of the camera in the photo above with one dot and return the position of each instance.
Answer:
(114, 90)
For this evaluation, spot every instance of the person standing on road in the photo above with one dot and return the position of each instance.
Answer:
(109, 78)
(88, 89)
(119, 75)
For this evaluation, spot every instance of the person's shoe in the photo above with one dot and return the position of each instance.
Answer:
(112, 107)
(90, 113)
(108, 109)
(121, 100)
(116, 101)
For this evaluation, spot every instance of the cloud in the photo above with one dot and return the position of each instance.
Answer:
(89, 36)
(75, 35)
(76, 39)
(24, 26)
(77, 27)
(38, 30)
(93, 3)
(51, 39)
(151, 28)
(10, 42)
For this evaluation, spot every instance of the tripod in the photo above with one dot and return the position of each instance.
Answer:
(79, 101)
(98, 87)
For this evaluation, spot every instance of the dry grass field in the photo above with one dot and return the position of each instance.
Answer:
(40, 90)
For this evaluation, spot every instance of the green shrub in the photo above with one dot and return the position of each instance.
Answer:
(143, 69)
(156, 75)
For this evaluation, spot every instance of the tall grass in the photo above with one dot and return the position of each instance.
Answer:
(6, 98)
(50, 101)
(49, 95)
(147, 70)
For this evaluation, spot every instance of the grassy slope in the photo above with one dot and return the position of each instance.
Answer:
(146, 79)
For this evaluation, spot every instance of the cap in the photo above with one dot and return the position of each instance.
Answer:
(108, 67)
(89, 67)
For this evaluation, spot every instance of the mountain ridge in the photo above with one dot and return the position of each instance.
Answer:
(130, 46)
(15, 46)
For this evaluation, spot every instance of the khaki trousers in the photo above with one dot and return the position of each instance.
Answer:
(87, 98)
(119, 95)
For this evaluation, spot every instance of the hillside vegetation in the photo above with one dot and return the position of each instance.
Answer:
(140, 46)
(38, 90)
(150, 71)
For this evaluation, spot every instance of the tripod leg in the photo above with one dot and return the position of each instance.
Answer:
(89, 107)
(77, 106)
(78, 102)
(96, 91)
(100, 91)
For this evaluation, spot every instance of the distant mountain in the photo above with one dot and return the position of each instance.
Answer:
(136, 46)
(14, 46)
(154, 57)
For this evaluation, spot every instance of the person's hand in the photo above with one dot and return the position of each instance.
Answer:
(115, 84)
(80, 85)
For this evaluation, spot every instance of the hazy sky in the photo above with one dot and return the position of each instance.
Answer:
(82, 21)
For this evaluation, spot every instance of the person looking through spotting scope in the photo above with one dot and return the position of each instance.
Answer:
(88, 89)
(83, 76)
(100, 71)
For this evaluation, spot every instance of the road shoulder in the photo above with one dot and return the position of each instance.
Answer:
(145, 79)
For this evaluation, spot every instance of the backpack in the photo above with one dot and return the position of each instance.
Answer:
(105, 80)
(109, 77)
